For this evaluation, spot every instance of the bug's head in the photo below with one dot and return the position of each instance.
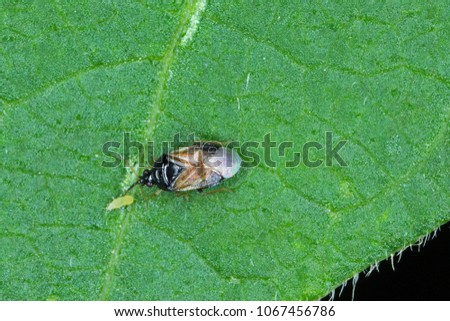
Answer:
(145, 180)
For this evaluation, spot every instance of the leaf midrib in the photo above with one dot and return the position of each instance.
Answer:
(155, 110)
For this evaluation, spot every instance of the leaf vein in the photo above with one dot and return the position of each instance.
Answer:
(73, 75)
(439, 137)
(347, 70)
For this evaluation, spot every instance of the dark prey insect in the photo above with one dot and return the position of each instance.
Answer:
(196, 167)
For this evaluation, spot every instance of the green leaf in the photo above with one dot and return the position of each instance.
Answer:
(75, 75)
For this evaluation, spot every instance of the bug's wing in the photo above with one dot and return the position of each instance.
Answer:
(193, 178)
(187, 156)
(196, 154)
(226, 162)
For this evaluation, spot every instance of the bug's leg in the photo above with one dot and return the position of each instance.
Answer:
(156, 193)
(144, 197)
(218, 190)
(151, 161)
(182, 194)
(127, 164)
(148, 197)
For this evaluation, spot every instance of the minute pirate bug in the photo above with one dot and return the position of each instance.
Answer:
(196, 167)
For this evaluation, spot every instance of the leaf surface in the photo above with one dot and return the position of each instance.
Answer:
(77, 75)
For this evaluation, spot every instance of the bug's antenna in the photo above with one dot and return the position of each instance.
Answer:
(133, 185)
(140, 181)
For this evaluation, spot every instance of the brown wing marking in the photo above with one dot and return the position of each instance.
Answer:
(193, 178)
(188, 156)
(196, 174)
